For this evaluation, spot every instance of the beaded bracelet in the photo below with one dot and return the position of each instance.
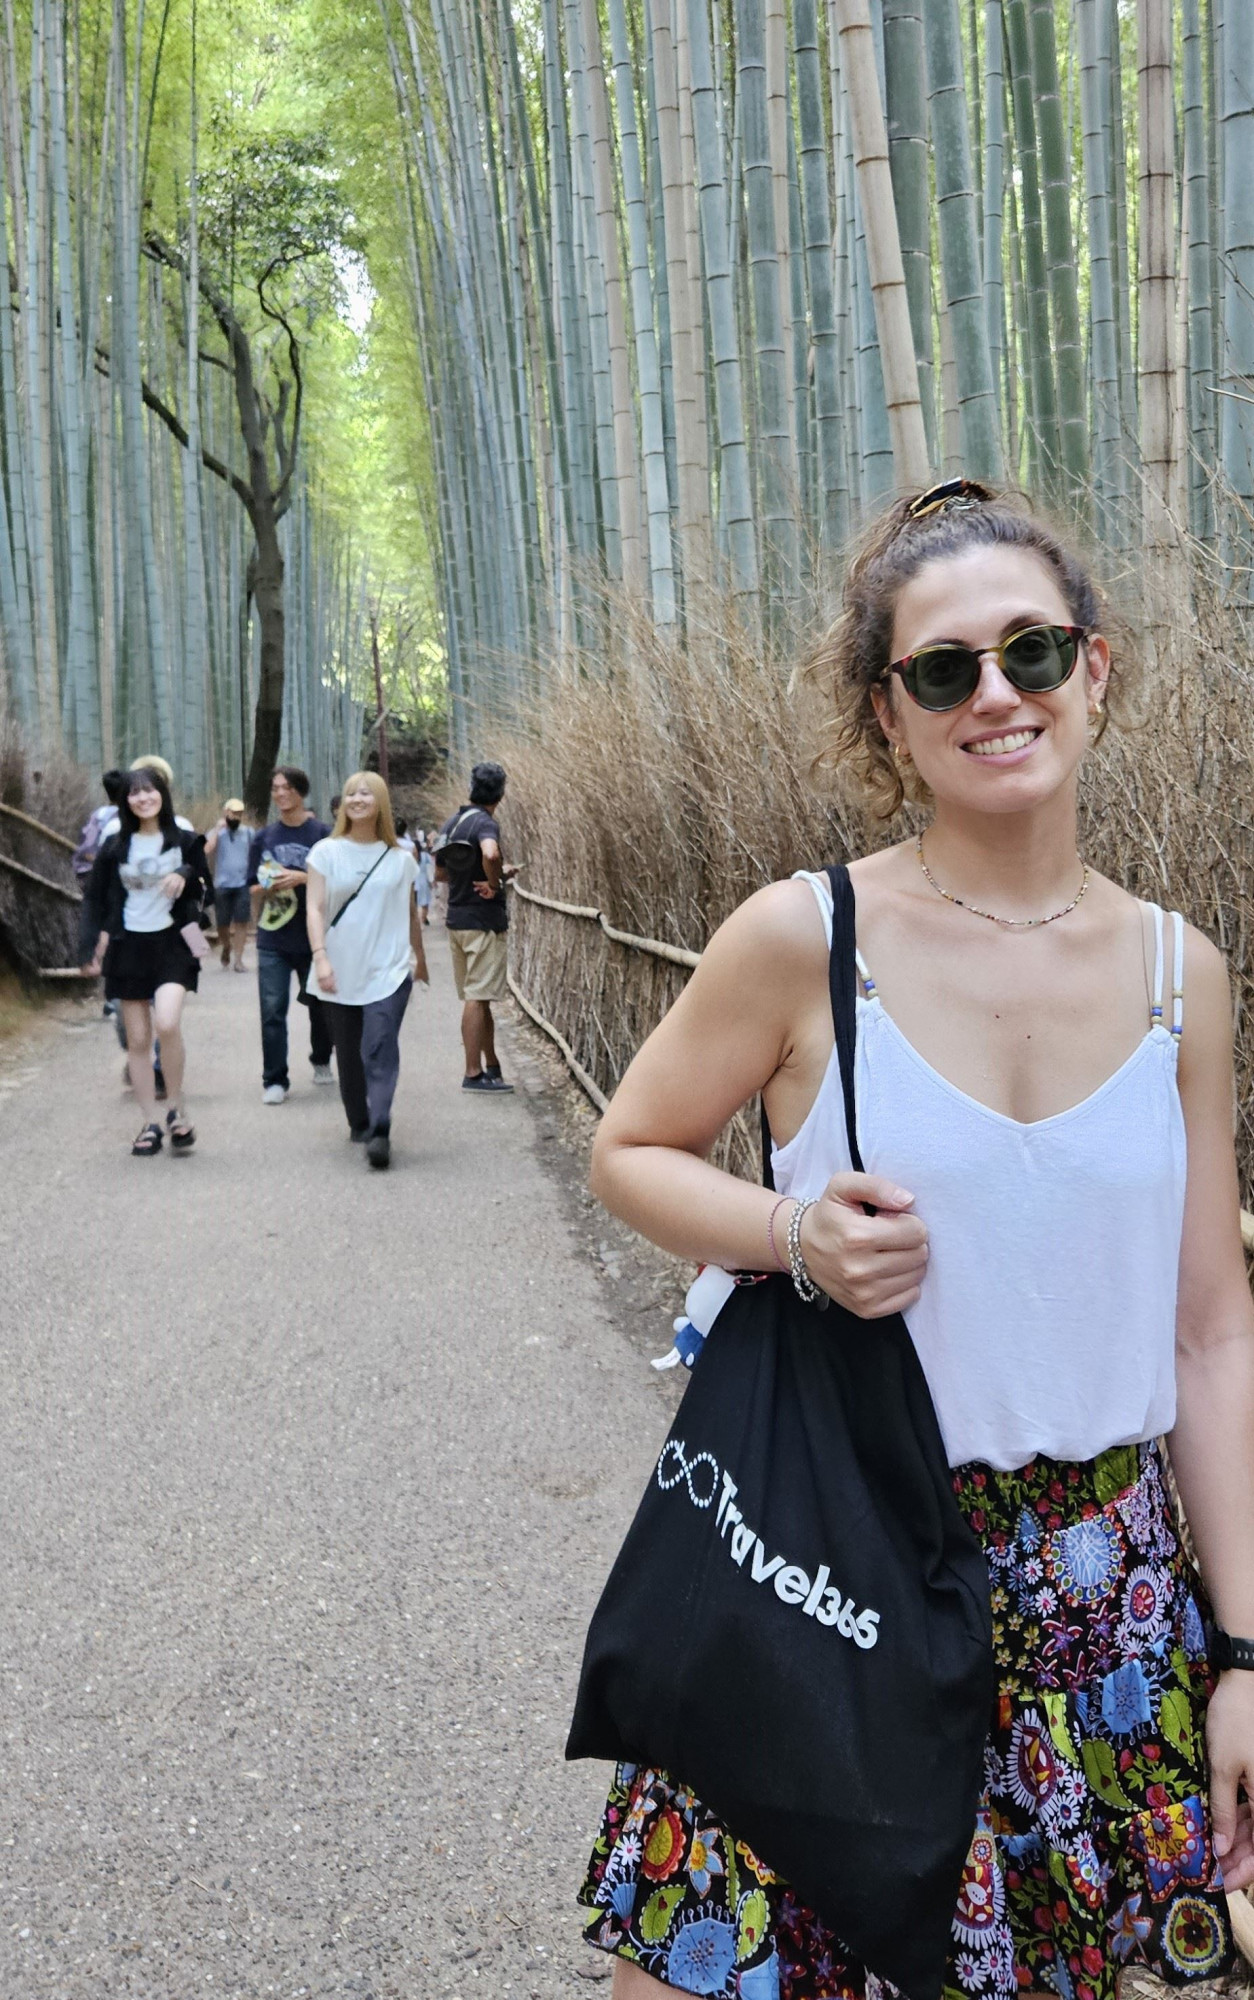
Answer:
(806, 1289)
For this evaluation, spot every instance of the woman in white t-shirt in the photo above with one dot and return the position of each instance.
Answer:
(366, 938)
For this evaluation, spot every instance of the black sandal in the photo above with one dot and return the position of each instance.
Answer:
(148, 1143)
(182, 1135)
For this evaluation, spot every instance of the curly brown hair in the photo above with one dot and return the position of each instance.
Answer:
(852, 657)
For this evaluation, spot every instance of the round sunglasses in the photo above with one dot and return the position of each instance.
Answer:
(1036, 660)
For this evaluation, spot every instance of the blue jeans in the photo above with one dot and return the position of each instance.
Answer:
(274, 986)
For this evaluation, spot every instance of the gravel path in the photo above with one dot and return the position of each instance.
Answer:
(309, 1478)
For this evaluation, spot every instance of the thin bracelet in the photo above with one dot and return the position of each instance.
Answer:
(770, 1233)
(807, 1291)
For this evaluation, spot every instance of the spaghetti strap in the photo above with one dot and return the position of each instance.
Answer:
(1156, 989)
(823, 897)
(1177, 975)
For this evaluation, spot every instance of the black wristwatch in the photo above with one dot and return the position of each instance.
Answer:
(1227, 1651)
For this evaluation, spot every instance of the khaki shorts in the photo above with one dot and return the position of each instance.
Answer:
(479, 964)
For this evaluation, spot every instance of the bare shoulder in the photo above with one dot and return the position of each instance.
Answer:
(1207, 1039)
(777, 933)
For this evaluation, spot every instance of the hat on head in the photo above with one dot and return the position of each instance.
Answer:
(233, 806)
(157, 764)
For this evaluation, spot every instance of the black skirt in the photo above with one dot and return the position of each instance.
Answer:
(138, 962)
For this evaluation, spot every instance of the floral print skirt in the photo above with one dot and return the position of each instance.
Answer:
(1092, 1844)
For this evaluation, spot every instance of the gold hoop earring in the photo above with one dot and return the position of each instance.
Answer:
(901, 755)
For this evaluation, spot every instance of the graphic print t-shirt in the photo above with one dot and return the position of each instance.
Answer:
(467, 910)
(148, 861)
(281, 923)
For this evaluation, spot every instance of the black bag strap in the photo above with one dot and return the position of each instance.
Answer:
(357, 891)
(842, 974)
(842, 968)
(466, 813)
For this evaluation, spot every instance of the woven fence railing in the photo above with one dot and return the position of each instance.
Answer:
(654, 948)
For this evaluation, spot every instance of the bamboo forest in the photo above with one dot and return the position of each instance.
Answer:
(350, 353)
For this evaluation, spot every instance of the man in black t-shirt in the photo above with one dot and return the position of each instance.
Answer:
(276, 877)
(477, 922)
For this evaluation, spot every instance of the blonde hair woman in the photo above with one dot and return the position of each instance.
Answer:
(365, 934)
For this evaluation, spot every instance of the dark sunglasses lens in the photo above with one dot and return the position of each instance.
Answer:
(941, 677)
(1040, 659)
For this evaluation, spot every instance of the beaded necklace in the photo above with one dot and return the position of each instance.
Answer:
(1007, 923)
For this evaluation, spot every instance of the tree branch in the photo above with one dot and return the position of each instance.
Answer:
(161, 409)
(287, 449)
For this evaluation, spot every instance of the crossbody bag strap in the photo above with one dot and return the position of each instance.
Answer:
(842, 976)
(360, 886)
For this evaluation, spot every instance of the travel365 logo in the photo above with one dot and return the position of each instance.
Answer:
(816, 1595)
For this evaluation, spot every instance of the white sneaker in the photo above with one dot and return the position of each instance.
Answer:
(274, 1093)
(322, 1073)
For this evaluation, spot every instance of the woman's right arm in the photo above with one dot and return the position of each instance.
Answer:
(731, 1031)
(316, 925)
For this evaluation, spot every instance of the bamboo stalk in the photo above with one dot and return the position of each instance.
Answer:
(1157, 276)
(887, 278)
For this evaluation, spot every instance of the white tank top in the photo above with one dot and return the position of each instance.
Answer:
(1047, 1318)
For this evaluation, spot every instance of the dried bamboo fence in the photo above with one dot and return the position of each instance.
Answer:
(39, 896)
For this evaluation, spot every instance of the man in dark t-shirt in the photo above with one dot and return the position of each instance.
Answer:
(276, 877)
(477, 922)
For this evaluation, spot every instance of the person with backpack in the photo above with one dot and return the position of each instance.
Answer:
(468, 857)
(364, 934)
(144, 898)
(226, 849)
(92, 837)
(1034, 1068)
(91, 840)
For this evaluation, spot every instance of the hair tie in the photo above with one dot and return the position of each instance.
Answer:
(952, 496)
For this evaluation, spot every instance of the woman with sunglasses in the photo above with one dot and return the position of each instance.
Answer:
(1044, 1089)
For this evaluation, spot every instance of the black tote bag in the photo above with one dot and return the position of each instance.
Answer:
(797, 1626)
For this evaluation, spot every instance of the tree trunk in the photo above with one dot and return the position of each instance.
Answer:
(265, 576)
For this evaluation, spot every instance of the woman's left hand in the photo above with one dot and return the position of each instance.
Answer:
(1230, 1746)
(173, 886)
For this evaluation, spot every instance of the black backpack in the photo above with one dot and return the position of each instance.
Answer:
(798, 1625)
(455, 856)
